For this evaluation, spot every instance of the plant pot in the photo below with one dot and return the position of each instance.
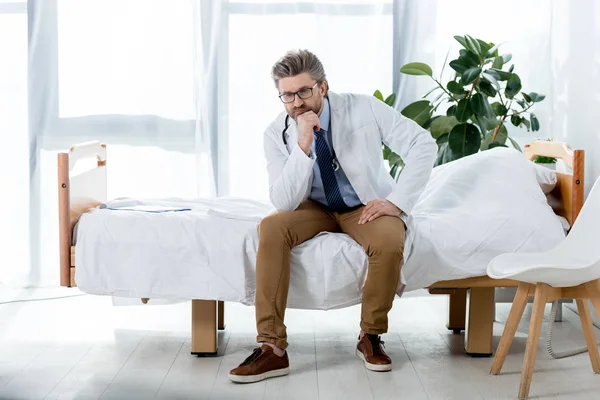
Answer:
(551, 166)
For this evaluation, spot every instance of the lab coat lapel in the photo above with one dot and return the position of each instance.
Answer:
(350, 157)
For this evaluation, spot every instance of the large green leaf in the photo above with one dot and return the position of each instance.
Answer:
(516, 120)
(499, 109)
(473, 45)
(451, 111)
(394, 159)
(492, 52)
(442, 125)
(489, 78)
(386, 152)
(444, 155)
(470, 75)
(391, 99)
(419, 111)
(499, 74)
(513, 86)
(535, 123)
(428, 123)
(496, 144)
(469, 58)
(485, 48)
(416, 68)
(459, 65)
(498, 63)
(455, 87)
(500, 137)
(536, 97)
(502, 134)
(378, 95)
(463, 110)
(461, 40)
(491, 123)
(464, 140)
(482, 123)
(515, 144)
(527, 124)
(486, 88)
(394, 170)
(478, 105)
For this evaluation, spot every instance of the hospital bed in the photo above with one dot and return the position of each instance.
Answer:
(471, 300)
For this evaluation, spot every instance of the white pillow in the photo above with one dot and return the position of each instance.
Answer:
(545, 177)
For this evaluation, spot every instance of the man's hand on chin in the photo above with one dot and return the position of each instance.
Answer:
(378, 208)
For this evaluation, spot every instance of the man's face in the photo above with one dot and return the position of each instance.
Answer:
(303, 83)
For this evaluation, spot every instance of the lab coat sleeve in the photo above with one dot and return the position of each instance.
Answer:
(289, 174)
(416, 147)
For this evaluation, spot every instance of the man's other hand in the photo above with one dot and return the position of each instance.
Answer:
(378, 208)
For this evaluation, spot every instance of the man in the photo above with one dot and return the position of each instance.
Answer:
(326, 173)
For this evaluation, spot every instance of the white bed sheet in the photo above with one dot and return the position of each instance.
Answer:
(471, 211)
(208, 252)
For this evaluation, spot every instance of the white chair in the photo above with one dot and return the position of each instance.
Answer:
(570, 270)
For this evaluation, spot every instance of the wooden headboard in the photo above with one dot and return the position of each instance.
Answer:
(77, 193)
(567, 197)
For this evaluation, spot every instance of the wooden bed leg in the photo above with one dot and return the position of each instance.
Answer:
(480, 322)
(204, 327)
(221, 316)
(457, 310)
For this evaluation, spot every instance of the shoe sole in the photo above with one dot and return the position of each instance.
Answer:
(257, 378)
(373, 367)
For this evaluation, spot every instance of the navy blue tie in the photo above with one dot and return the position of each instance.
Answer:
(325, 162)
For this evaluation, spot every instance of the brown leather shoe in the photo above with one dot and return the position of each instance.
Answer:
(370, 350)
(261, 364)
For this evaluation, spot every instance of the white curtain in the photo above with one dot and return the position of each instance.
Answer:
(180, 90)
(14, 142)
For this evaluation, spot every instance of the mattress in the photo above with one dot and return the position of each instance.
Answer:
(205, 249)
(471, 210)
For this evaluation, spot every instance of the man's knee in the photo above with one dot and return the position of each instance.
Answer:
(386, 247)
(389, 241)
(274, 224)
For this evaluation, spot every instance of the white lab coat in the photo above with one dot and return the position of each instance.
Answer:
(359, 124)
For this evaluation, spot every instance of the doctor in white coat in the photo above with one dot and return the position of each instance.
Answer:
(326, 173)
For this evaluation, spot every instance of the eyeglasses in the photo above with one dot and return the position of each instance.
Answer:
(303, 94)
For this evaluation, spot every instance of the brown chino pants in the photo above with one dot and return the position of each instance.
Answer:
(382, 239)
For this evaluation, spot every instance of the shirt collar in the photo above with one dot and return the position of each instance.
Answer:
(325, 115)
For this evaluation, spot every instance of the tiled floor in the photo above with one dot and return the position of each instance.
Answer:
(86, 348)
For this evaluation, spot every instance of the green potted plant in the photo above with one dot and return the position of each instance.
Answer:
(482, 95)
(548, 162)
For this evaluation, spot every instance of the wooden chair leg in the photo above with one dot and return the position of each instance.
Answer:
(480, 324)
(204, 327)
(516, 312)
(221, 315)
(457, 310)
(535, 326)
(585, 316)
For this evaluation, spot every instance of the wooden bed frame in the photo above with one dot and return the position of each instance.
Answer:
(471, 301)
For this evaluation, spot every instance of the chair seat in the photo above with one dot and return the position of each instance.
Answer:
(554, 268)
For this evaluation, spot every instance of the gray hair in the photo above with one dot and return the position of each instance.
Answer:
(296, 62)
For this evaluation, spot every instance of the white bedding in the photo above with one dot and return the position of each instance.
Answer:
(472, 210)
